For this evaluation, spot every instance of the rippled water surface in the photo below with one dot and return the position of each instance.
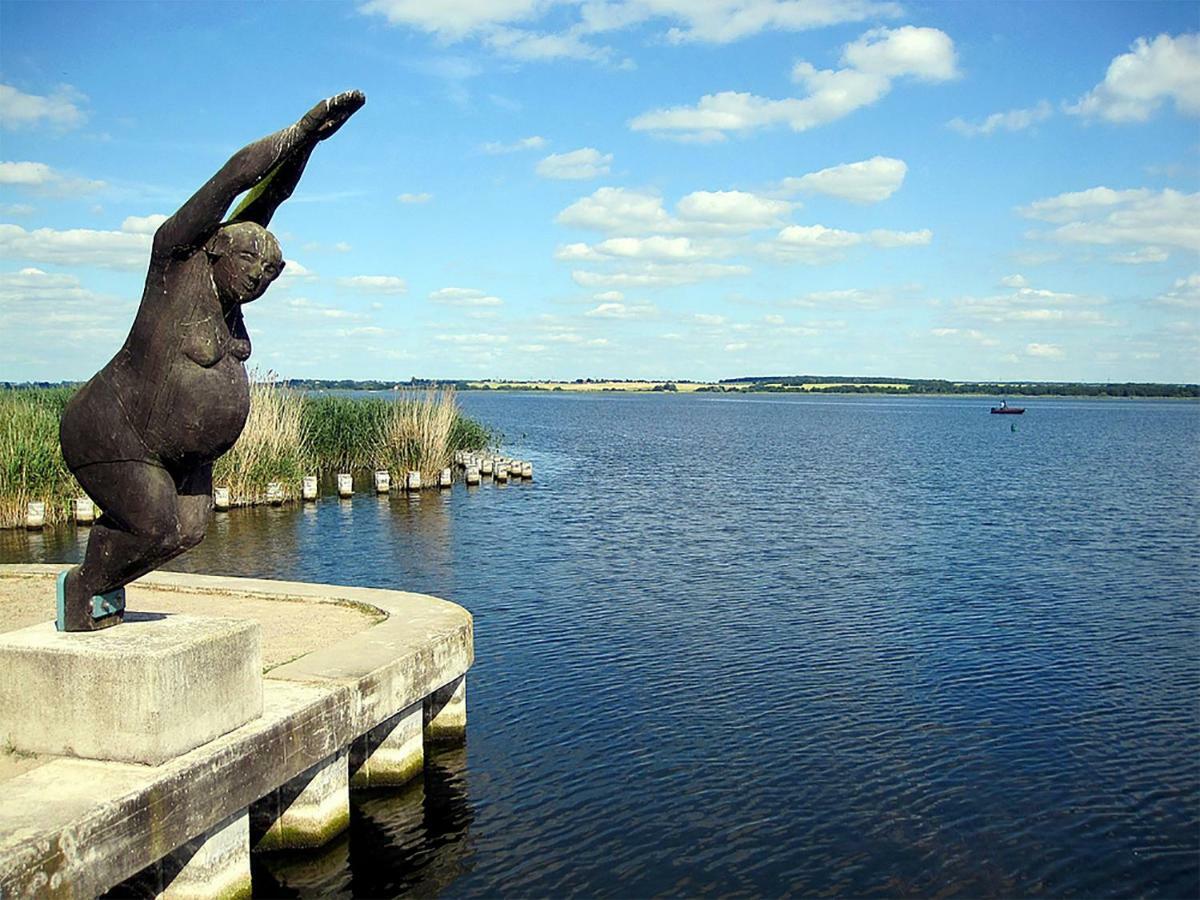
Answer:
(768, 645)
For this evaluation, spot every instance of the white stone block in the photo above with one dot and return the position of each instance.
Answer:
(390, 754)
(144, 691)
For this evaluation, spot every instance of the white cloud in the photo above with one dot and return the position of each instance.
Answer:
(654, 247)
(76, 247)
(40, 309)
(415, 198)
(142, 224)
(456, 296)
(614, 310)
(628, 211)
(1013, 120)
(869, 181)
(870, 65)
(306, 308)
(1044, 351)
(1104, 216)
(454, 19)
(294, 271)
(847, 297)
(1141, 256)
(1015, 281)
(495, 148)
(617, 209)
(60, 109)
(587, 162)
(736, 347)
(736, 211)
(609, 296)
(534, 46)
(41, 178)
(1029, 306)
(1137, 82)
(473, 339)
(1185, 294)
(816, 244)
(654, 275)
(378, 284)
(710, 319)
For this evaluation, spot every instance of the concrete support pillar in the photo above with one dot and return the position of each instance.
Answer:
(35, 514)
(213, 865)
(308, 487)
(390, 754)
(308, 811)
(446, 713)
(413, 481)
(487, 465)
(501, 473)
(527, 471)
(383, 481)
(472, 475)
(220, 498)
(83, 511)
(445, 478)
(345, 484)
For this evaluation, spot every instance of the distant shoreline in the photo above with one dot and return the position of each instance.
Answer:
(798, 384)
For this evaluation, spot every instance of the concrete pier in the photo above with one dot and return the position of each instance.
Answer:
(83, 511)
(345, 484)
(308, 487)
(35, 515)
(445, 478)
(383, 481)
(356, 709)
(413, 481)
(472, 475)
(220, 498)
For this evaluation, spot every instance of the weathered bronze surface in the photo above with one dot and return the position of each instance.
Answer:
(141, 436)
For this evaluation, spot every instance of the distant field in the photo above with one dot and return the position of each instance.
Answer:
(681, 386)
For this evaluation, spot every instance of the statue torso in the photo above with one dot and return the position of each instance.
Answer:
(180, 375)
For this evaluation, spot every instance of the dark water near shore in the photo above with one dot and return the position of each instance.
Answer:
(786, 645)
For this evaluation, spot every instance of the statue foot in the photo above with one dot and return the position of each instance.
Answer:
(83, 612)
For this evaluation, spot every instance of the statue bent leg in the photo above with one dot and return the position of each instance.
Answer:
(149, 517)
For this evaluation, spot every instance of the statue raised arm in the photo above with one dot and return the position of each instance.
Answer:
(142, 435)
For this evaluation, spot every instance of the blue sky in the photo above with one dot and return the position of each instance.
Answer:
(630, 188)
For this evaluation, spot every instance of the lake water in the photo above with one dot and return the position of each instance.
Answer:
(776, 645)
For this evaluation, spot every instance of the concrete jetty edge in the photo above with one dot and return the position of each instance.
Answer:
(77, 827)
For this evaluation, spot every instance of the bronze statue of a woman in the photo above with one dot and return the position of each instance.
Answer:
(141, 436)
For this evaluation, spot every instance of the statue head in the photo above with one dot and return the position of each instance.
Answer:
(245, 260)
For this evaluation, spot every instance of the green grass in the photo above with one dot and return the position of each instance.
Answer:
(287, 435)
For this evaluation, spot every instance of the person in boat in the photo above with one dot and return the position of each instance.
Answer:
(142, 435)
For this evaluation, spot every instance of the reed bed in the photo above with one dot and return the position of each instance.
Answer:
(288, 434)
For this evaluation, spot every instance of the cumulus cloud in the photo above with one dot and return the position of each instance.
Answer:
(41, 178)
(630, 211)
(456, 296)
(870, 65)
(587, 162)
(1101, 215)
(76, 247)
(545, 29)
(1030, 306)
(1044, 351)
(869, 181)
(1184, 295)
(616, 310)
(415, 198)
(142, 224)
(657, 275)
(496, 148)
(306, 308)
(1013, 120)
(60, 109)
(1138, 82)
(817, 244)
(40, 309)
(480, 339)
(377, 284)
(847, 297)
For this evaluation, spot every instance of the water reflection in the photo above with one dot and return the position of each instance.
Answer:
(398, 841)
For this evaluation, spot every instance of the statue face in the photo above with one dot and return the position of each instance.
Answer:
(246, 259)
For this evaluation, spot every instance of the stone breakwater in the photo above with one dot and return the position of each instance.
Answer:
(165, 784)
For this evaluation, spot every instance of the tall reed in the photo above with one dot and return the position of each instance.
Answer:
(271, 447)
(31, 462)
(287, 435)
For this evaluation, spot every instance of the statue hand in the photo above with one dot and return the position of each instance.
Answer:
(329, 115)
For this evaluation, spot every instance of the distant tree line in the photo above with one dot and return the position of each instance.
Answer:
(879, 385)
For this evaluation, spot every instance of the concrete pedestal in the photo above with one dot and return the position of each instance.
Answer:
(445, 713)
(390, 754)
(308, 811)
(145, 691)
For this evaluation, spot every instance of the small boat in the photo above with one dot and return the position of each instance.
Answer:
(1005, 410)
